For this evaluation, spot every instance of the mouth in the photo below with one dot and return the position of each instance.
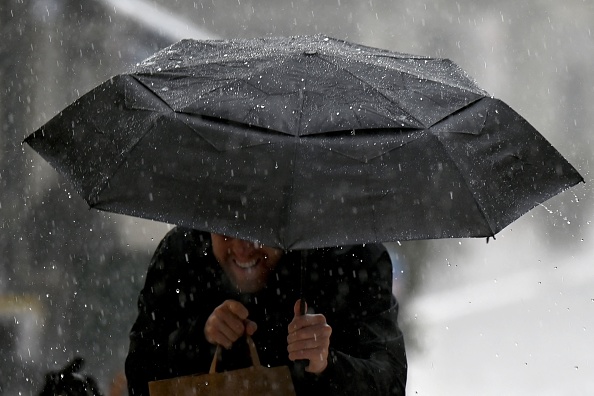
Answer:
(246, 264)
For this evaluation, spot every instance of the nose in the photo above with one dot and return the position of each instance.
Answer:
(242, 248)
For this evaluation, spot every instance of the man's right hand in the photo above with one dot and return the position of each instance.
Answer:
(227, 323)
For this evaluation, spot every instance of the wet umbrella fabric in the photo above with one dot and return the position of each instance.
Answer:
(303, 142)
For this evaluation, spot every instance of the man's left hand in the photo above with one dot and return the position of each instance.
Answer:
(309, 338)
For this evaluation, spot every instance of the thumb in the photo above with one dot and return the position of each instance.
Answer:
(250, 327)
(297, 308)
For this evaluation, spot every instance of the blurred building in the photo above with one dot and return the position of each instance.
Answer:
(68, 283)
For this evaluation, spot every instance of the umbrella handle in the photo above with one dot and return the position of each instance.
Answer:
(302, 304)
(301, 364)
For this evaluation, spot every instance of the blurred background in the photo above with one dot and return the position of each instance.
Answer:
(514, 316)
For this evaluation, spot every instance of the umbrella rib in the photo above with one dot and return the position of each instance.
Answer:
(105, 182)
(302, 106)
(242, 78)
(477, 89)
(376, 89)
(373, 211)
(149, 90)
(290, 203)
(478, 205)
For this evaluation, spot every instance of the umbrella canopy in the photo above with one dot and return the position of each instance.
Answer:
(303, 142)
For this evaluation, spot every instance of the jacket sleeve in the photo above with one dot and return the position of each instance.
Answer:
(165, 341)
(367, 354)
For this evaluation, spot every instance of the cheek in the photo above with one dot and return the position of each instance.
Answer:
(220, 248)
(272, 257)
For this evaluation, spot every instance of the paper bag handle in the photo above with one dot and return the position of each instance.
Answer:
(253, 354)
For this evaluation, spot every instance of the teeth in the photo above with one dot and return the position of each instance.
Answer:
(247, 264)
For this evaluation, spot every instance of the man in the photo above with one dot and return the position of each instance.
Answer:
(206, 289)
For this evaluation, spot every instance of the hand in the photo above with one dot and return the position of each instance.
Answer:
(227, 323)
(309, 338)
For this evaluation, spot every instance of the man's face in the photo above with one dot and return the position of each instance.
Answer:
(247, 264)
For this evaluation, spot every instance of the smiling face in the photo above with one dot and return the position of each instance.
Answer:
(247, 264)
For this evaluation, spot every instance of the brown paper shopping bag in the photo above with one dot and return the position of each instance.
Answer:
(254, 380)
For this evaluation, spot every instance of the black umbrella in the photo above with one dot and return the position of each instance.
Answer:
(303, 142)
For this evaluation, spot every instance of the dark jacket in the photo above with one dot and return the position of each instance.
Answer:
(351, 286)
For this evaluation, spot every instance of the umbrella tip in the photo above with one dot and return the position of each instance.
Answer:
(491, 236)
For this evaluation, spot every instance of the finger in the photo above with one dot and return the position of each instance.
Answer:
(217, 337)
(235, 324)
(318, 359)
(317, 366)
(303, 321)
(237, 309)
(217, 332)
(250, 327)
(313, 354)
(305, 345)
(224, 322)
(310, 337)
